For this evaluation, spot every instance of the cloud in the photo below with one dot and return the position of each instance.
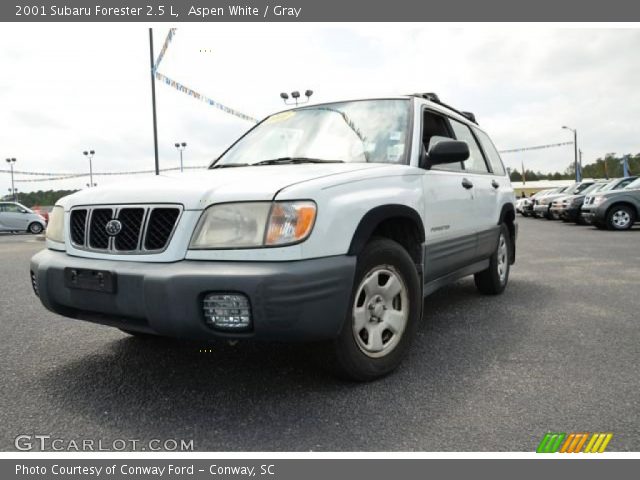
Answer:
(67, 88)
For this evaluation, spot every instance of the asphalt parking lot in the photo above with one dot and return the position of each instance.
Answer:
(558, 351)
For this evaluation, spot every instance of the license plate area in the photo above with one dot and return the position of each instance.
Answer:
(93, 280)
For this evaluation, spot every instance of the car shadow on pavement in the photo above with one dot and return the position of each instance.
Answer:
(258, 396)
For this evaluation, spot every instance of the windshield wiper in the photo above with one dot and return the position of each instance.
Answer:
(290, 160)
(230, 165)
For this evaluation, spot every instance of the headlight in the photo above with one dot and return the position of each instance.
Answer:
(597, 200)
(254, 224)
(55, 228)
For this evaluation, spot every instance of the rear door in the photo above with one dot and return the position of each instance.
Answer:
(449, 207)
(476, 170)
(500, 193)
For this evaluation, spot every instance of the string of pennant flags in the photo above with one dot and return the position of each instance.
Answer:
(203, 98)
(536, 147)
(189, 91)
(50, 176)
(165, 46)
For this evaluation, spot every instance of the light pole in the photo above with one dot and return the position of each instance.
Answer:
(296, 95)
(575, 151)
(11, 161)
(14, 194)
(181, 146)
(89, 154)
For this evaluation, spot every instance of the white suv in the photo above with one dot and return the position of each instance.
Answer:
(326, 222)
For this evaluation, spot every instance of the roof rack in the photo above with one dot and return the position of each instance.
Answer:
(432, 97)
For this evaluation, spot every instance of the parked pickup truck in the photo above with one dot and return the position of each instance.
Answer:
(322, 223)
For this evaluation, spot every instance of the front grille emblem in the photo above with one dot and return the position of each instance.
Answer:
(113, 227)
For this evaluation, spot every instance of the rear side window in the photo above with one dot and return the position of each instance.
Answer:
(475, 163)
(492, 153)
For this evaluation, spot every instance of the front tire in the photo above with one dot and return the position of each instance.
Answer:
(35, 228)
(493, 280)
(385, 309)
(620, 217)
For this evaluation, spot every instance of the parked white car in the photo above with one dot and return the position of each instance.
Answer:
(325, 222)
(15, 217)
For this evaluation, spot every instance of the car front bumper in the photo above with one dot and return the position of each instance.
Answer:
(290, 301)
(541, 209)
(593, 214)
(571, 214)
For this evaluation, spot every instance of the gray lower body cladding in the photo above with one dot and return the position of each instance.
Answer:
(290, 301)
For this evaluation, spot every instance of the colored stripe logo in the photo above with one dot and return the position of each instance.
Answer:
(574, 442)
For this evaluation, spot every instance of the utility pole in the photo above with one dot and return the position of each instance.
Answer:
(575, 151)
(580, 163)
(89, 154)
(153, 101)
(181, 146)
(11, 161)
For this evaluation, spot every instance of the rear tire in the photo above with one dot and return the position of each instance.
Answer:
(35, 228)
(494, 279)
(384, 312)
(620, 217)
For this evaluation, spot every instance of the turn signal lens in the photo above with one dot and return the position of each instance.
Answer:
(290, 222)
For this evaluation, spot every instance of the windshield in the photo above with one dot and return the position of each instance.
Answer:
(579, 188)
(375, 131)
(610, 185)
(596, 187)
(635, 185)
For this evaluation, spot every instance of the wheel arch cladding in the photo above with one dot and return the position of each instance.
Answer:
(508, 217)
(396, 222)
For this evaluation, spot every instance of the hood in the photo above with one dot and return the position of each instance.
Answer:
(573, 197)
(613, 193)
(198, 189)
(550, 198)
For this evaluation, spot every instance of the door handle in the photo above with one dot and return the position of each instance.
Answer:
(466, 183)
(495, 184)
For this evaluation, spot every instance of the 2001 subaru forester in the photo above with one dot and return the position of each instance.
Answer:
(325, 222)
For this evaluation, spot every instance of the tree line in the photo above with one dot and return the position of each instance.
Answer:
(608, 167)
(40, 198)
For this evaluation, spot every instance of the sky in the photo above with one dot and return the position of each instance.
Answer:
(66, 88)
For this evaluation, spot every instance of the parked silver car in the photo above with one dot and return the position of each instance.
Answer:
(15, 217)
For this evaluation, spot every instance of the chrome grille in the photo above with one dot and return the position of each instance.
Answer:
(144, 229)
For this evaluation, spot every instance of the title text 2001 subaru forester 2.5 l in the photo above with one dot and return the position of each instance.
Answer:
(326, 222)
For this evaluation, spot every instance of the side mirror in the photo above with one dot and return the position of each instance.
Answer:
(446, 151)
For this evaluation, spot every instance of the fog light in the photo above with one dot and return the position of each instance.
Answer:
(227, 311)
(34, 284)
